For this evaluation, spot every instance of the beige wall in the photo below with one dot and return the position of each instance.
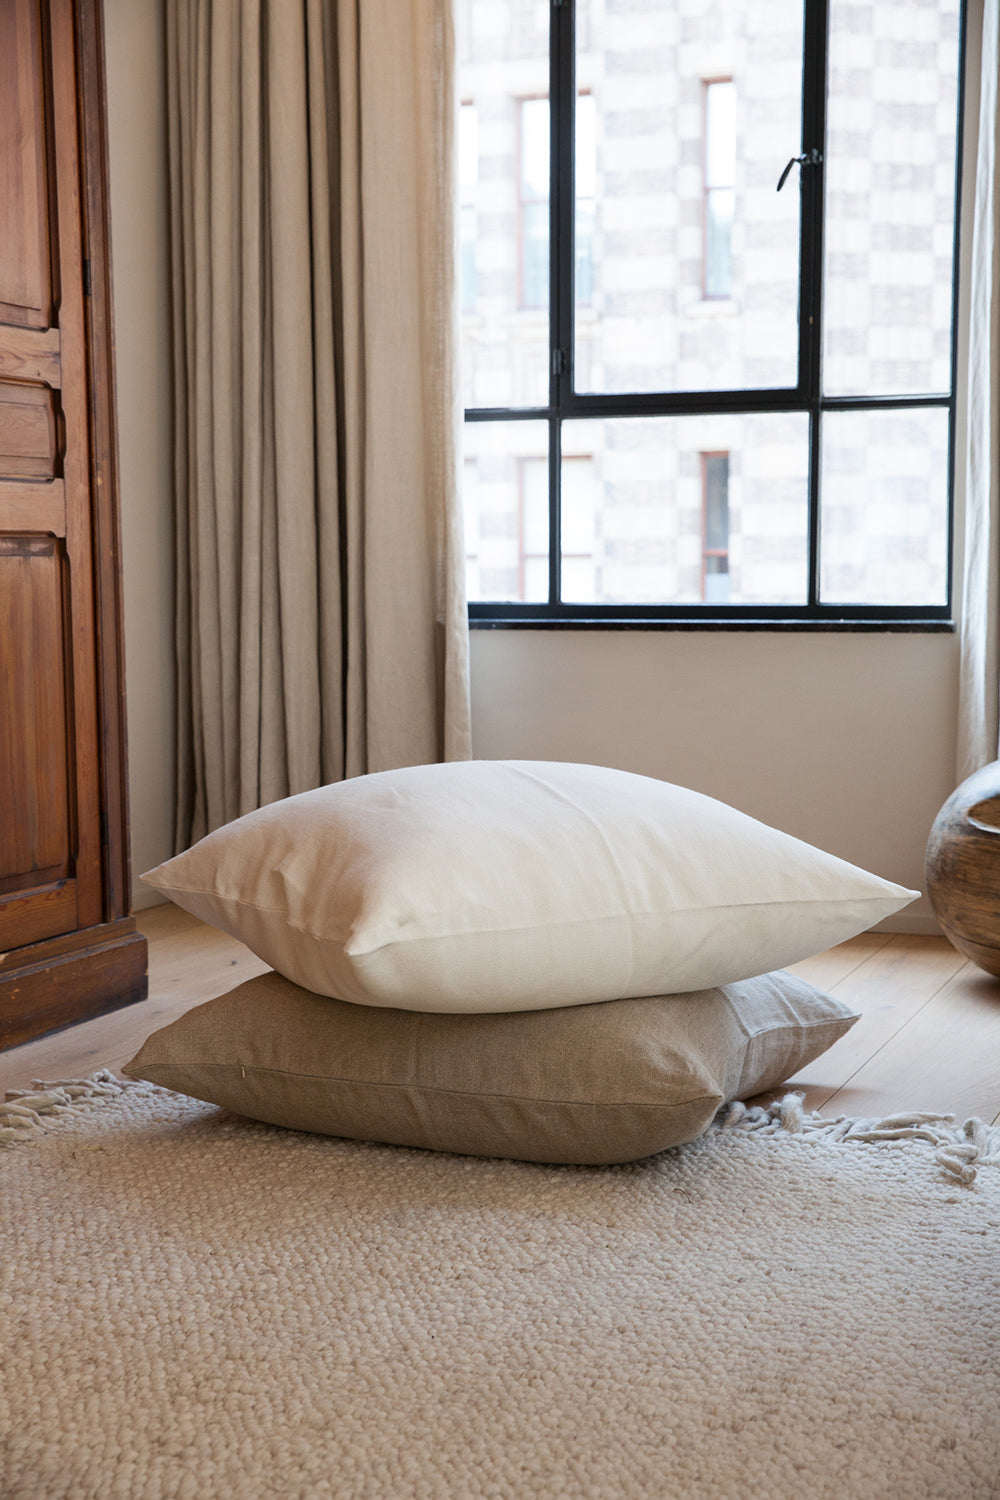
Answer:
(134, 53)
(844, 740)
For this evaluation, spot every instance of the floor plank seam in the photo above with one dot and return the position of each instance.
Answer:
(896, 1034)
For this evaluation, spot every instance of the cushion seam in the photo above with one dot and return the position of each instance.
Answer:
(797, 1026)
(434, 1089)
(451, 936)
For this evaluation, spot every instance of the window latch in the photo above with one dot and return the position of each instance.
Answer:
(811, 158)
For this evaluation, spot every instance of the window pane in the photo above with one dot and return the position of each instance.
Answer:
(634, 509)
(890, 197)
(504, 81)
(505, 497)
(717, 580)
(534, 255)
(535, 507)
(684, 96)
(579, 503)
(534, 148)
(586, 204)
(468, 158)
(720, 134)
(716, 489)
(720, 207)
(884, 507)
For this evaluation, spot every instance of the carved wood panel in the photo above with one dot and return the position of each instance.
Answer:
(50, 878)
(33, 719)
(26, 283)
(28, 431)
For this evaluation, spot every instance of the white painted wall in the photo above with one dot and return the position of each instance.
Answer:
(137, 151)
(844, 740)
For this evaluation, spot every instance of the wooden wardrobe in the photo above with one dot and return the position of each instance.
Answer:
(68, 946)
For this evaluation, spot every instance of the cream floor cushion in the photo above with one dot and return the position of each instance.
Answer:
(518, 885)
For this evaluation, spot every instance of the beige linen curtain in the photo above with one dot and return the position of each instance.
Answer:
(320, 598)
(980, 605)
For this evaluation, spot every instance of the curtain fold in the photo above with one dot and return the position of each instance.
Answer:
(321, 627)
(979, 691)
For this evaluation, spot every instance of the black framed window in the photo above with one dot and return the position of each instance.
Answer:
(692, 397)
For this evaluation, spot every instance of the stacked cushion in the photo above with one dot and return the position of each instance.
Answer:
(518, 885)
(590, 1084)
(453, 944)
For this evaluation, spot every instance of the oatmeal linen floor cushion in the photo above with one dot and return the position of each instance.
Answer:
(518, 885)
(579, 1084)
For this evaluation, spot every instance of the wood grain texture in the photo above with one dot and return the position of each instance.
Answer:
(106, 969)
(41, 910)
(103, 450)
(888, 990)
(963, 868)
(26, 290)
(37, 510)
(34, 734)
(28, 431)
(30, 354)
(946, 1058)
(75, 395)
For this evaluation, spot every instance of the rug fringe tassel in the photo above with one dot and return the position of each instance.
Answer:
(23, 1110)
(961, 1149)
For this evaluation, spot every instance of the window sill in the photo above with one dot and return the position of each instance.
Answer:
(804, 626)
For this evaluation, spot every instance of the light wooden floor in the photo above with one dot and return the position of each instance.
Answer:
(928, 1038)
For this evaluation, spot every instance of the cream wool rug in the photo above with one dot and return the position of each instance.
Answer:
(195, 1307)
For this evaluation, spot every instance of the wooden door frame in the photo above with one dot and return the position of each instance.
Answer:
(105, 488)
(80, 974)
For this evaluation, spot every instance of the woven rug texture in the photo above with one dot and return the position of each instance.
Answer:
(197, 1307)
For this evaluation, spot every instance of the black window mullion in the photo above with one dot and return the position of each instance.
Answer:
(562, 74)
(678, 403)
(955, 287)
(814, 83)
(814, 523)
(555, 509)
(900, 616)
(562, 119)
(815, 37)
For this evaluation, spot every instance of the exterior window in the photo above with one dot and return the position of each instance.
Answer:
(586, 198)
(720, 186)
(715, 530)
(691, 396)
(468, 173)
(534, 202)
(506, 503)
(533, 539)
(515, 545)
(579, 496)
